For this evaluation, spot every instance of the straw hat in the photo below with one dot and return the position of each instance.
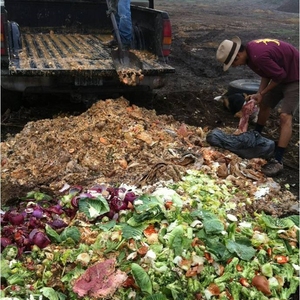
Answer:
(227, 51)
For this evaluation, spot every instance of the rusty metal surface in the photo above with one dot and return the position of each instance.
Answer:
(52, 54)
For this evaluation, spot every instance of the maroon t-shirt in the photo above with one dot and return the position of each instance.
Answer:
(273, 59)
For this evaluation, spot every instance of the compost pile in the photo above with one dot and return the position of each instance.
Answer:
(114, 142)
(120, 203)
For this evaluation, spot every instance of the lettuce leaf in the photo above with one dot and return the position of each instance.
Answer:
(242, 248)
(69, 233)
(129, 232)
(93, 208)
(211, 223)
(156, 297)
(278, 223)
(141, 278)
(51, 294)
(149, 210)
(4, 268)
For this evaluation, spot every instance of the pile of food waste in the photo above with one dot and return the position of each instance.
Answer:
(120, 203)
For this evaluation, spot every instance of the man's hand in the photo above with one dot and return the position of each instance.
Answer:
(248, 97)
(257, 97)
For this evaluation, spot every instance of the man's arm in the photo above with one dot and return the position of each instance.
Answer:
(266, 84)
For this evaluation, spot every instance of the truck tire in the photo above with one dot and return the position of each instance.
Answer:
(247, 86)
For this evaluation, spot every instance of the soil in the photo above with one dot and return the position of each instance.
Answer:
(185, 105)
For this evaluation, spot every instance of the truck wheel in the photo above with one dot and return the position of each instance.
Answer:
(247, 86)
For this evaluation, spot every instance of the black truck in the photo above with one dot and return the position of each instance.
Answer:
(59, 46)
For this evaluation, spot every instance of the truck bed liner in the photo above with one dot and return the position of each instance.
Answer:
(51, 53)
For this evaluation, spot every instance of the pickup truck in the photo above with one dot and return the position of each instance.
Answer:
(59, 46)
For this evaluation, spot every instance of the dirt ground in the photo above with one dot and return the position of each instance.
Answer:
(198, 28)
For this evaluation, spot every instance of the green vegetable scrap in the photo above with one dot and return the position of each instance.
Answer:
(142, 279)
(169, 247)
(93, 208)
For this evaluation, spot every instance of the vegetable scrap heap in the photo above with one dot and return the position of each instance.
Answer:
(189, 223)
(180, 241)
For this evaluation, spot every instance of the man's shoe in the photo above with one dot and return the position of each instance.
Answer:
(111, 44)
(272, 168)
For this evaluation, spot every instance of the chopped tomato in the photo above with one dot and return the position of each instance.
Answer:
(281, 259)
(214, 289)
(150, 230)
(195, 241)
(129, 282)
(193, 271)
(208, 257)
(239, 268)
(244, 282)
(168, 204)
(143, 250)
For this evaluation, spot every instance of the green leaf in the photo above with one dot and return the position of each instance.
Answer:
(38, 196)
(52, 234)
(107, 226)
(66, 256)
(215, 246)
(295, 219)
(4, 267)
(156, 297)
(177, 245)
(51, 294)
(149, 202)
(277, 223)
(16, 279)
(213, 226)
(70, 232)
(141, 278)
(93, 208)
(148, 210)
(211, 223)
(73, 274)
(242, 247)
(111, 246)
(177, 232)
(129, 232)
(10, 252)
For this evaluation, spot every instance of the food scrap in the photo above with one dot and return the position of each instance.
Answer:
(130, 76)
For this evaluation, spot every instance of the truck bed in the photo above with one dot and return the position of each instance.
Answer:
(64, 53)
(58, 45)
